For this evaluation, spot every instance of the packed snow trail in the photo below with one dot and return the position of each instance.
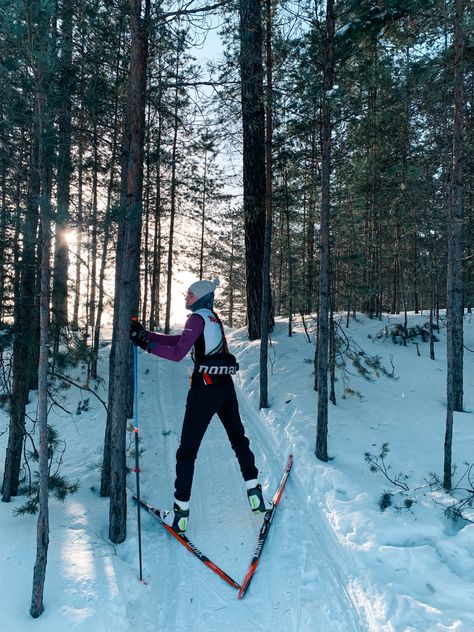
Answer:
(333, 560)
(299, 583)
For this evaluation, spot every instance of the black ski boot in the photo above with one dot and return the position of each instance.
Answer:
(256, 501)
(178, 518)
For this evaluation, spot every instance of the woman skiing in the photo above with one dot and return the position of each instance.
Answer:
(211, 392)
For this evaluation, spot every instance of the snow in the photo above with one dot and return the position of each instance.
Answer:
(343, 29)
(330, 93)
(333, 560)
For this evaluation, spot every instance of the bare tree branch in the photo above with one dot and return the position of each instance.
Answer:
(187, 11)
(81, 386)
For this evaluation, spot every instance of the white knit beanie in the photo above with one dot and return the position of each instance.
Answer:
(201, 288)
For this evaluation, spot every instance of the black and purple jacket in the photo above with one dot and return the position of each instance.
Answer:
(202, 330)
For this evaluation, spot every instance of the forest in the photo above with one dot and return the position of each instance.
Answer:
(319, 159)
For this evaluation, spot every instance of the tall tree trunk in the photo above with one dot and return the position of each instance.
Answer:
(290, 262)
(332, 356)
(24, 318)
(127, 273)
(203, 217)
(454, 304)
(101, 293)
(18, 228)
(253, 127)
(371, 280)
(266, 286)
(86, 296)
(3, 240)
(432, 349)
(42, 530)
(108, 218)
(80, 208)
(79, 231)
(324, 283)
(278, 294)
(416, 297)
(61, 255)
(309, 254)
(43, 78)
(231, 275)
(156, 272)
(169, 277)
(101, 284)
(93, 240)
(146, 249)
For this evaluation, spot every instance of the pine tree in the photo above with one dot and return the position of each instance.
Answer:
(455, 306)
(127, 275)
(324, 273)
(253, 126)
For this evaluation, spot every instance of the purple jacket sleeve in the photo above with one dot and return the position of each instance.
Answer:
(162, 339)
(177, 351)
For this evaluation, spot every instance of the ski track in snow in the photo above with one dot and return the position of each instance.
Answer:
(332, 563)
(299, 582)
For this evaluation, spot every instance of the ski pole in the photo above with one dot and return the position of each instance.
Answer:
(137, 457)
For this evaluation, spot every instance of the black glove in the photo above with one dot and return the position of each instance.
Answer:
(138, 335)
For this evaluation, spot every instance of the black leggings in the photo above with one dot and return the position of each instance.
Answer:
(202, 403)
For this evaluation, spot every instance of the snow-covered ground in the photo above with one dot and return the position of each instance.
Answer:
(334, 562)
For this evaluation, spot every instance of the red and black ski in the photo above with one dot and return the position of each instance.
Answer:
(262, 536)
(185, 541)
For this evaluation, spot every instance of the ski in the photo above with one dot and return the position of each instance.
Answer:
(262, 536)
(185, 541)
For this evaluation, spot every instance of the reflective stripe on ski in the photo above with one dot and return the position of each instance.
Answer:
(185, 541)
(262, 536)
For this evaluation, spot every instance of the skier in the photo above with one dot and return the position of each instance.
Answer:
(211, 391)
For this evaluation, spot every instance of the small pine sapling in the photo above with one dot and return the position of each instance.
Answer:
(461, 495)
(377, 464)
(385, 501)
(59, 487)
(350, 353)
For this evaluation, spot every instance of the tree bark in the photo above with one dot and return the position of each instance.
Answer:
(93, 242)
(309, 263)
(61, 255)
(3, 240)
(290, 262)
(253, 127)
(108, 218)
(332, 357)
(42, 73)
(80, 214)
(266, 286)
(203, 217)
(231, 275)
(454, 311)
(454, 306)
(127, 272)
(324, 283)
(24, 319)
(156, 272)
(146, 250)
(79, 231)
(42, 530)
(169, 278)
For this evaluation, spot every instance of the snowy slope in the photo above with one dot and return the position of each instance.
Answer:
(333, 560)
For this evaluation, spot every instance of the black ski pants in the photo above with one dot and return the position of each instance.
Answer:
(203, 401)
